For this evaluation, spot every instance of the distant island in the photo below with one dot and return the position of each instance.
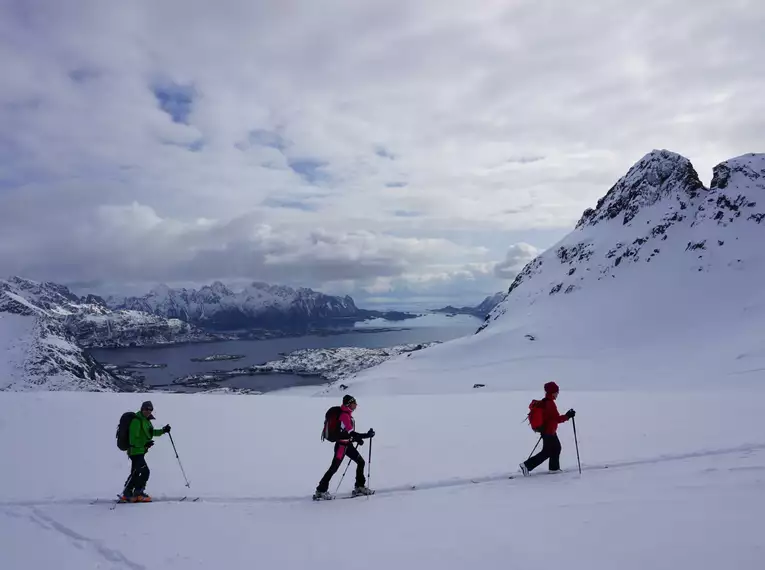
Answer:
(218, 357)
(480, 310)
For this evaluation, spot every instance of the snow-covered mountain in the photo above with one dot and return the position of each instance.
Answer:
(88, 319)
(259, 305)
(44, 327)
(660, 284)
(481, 310)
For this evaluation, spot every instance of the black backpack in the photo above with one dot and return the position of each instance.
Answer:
(332, 426)
(123, 430)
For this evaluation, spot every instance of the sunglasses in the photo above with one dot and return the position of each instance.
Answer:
(148, 409)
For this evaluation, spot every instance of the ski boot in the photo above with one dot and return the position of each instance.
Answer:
(524, 469)
(141, 497)
(362, 490)
(322, 496)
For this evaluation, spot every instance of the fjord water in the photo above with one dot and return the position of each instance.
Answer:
(178, 358)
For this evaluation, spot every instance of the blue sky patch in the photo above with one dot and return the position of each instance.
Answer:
(383, 152)
(176, 100)
(83, 75)
(525, 159)
(406, 214)
(264, 137)
(290, 204)
(309, 169)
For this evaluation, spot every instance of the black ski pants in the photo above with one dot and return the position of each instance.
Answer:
(139, 475)
(550, 450)
(341, 451)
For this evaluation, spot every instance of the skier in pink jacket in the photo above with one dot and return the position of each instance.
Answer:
(342, 430)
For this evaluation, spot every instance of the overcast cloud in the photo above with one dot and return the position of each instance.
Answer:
(392, 150)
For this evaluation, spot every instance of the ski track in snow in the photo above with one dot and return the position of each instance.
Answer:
(110, 555)
(456, 482)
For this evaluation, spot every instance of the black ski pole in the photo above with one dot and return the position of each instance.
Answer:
(535, 447)
(369, 465)
(576, 442)
(344, 472)
(179, 461)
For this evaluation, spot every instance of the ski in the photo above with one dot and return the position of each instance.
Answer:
(119, 501)
(356, 496)
(351, 496)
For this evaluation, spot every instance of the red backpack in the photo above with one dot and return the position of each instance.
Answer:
(536, 415)
(331, 429)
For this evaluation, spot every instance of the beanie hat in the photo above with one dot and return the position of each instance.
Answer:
(551, 388)
(147, 405)
(348, 400)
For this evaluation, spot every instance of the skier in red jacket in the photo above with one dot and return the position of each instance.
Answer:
(551, 447)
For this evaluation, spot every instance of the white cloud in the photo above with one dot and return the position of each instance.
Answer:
(516, 258)
(346, 141)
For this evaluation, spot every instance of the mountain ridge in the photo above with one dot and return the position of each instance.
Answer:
(257, 305)
(659, 286)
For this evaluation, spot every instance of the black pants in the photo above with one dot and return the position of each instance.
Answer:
(550, 450)
(341, 451)
(139, 475)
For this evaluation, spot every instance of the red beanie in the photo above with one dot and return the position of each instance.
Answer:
(551, 388)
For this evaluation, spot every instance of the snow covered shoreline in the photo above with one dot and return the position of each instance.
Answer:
(326, 364)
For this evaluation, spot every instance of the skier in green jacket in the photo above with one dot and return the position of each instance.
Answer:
(142, 433)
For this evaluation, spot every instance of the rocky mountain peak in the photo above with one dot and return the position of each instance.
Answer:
(659, 175)
(656, 224)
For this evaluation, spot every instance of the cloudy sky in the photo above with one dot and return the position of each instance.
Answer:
(402, 151)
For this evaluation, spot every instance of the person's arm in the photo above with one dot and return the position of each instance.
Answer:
(553, 413)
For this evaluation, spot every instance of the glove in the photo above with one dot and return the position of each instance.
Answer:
(371, 433)
(149, 444)
(570, 414)
(357, 437)
(166, 429)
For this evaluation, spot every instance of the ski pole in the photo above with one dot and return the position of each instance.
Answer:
(535, 447)
(576, 442)
(369, 465)
(179, 461)
(344, 472)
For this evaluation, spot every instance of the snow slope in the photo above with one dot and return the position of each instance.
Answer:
(659, 286)
(38, 354)
(683, 488)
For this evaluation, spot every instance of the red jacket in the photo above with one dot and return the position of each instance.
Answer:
(551, 417)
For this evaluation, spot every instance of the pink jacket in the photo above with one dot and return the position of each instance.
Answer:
(347, 424)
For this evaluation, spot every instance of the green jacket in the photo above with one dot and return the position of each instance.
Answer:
(141, 433)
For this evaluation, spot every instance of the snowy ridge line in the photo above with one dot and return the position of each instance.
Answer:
(445, 483)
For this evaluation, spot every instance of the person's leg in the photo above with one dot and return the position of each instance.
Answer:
(337, 460)
(134, 479)
(534, 462)
(555, 449)
(354, 455)
(142, 475)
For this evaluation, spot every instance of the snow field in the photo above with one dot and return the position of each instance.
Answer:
(684, 487)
